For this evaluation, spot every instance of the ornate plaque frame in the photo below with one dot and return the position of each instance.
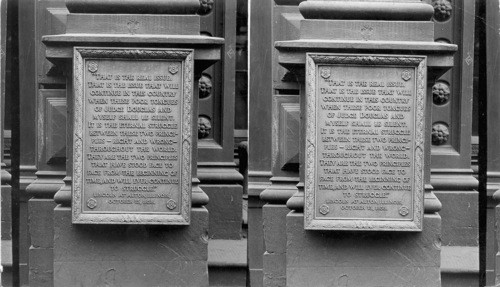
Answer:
(186, 57)
(418, 64)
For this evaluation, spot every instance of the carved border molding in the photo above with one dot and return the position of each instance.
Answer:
(418, 63)
(81, 54)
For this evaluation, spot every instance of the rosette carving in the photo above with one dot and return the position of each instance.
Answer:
(206, 7)
(440, 134)
(442, 9)
(204, 127)
(205, 87)
(440, 93)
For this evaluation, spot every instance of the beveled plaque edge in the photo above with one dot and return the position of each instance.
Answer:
(419, 63)
(151, 218)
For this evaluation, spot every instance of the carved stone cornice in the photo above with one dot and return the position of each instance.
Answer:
(431, 202)
(280, 191)
(496, 195)
(63, 195)
(367, 10)
(26, 176)
(46, 184)
(5, 175)
(258, 181)
(288, 2)
(447, 179)
(219, 175)
(493, 186)
(297, 201)
(198, 196)
(133, 24)
(133, 6)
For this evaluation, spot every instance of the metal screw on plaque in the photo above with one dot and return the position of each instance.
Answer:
(324, 209)
(171, 204)
(403, 210)
(92, 203)
(406, 75)
(93, 66)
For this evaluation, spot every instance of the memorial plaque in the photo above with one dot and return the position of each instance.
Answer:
(132, 147)
(365, 127)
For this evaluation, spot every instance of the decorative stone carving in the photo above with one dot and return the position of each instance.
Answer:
(288, 117)
(132, 26)
(206, 7)
(51, 127)
(204, 127)
(440, 134)
(469, 60)
(440, 93)
(367, 32)
(442, 10)
(205, 86)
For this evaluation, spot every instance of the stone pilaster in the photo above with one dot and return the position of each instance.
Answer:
(132, 25)
(5, 176)
(493, 144)
(365, 258)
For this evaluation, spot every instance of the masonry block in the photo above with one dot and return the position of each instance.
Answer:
(459, 228)
(40, 217)
(274, 259)
(226, 211)
(41, 267)
(340, 258)
(130, 255)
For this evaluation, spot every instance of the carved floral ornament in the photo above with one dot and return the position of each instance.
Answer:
(440, 134)
(442, 9)
(440, 93)
(324, 209)
(204, 127)
(206, 6)
(205, 86)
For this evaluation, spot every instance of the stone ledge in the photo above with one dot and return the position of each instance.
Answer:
(364, 10)
(459, 259)
(6, 253)
(133, 6)
(227, 253)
